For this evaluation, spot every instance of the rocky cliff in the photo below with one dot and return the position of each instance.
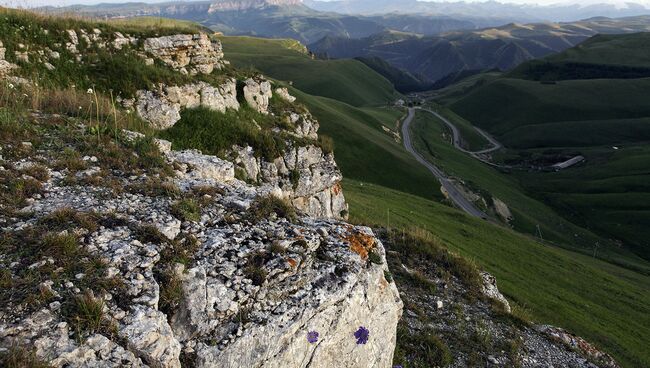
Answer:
(250, 288)
(121, 251)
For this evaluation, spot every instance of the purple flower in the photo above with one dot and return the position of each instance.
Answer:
(362, 335)
(312, 337)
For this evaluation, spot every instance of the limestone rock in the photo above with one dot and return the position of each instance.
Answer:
(162, 107)
(491, 291)
(204, 166)
(333, 303)
(186, 53)
(283, 93)
(257, 94)
(5, 66)
(150, 336)
(155, 110)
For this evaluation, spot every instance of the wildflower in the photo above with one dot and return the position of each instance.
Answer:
(312, 337)
(362, 335)
(11, 86)
(90, 91)
(80, 107)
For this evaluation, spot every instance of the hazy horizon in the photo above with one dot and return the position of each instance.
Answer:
(34, 3)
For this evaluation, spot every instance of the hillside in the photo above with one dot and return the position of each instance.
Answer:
(162, 206)
(349, 81)
(504, 47)
(278, 19)
(604, 120)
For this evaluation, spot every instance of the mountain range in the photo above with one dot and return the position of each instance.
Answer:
(502, 48)
(557, 12)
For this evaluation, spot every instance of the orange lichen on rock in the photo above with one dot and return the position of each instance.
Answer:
(360, 243)
(336, 189)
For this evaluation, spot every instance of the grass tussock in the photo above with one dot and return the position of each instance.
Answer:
(417, 246)
(263, 206)
(18, 356)
(51, 250)
(422, 349)
(187, 209)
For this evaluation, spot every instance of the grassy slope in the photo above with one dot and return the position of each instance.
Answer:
(330, 90)
(364, 151)
(604, 303)
(530, 102)
(597, 300)
(628, 50)
(349, 81)
(527, 211)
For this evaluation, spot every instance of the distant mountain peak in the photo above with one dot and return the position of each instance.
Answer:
(235, 5)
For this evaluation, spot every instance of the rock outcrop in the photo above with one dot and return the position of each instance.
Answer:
(257, 93)
(306, 176)
(187, 53)
(261, 291)
(5, 66)
(162, 107)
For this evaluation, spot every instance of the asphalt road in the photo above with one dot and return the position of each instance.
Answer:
(454, 194)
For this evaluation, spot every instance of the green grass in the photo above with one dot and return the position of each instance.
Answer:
(624, 49)
(597, 300)
(349, 81)
(528, 212)
(530, 102)
(364, 151)
(610, 194)
(472, 139)
(214, 133)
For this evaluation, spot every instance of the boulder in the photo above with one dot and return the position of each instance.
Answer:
(149, 335)
(258, 94)
(186, 53)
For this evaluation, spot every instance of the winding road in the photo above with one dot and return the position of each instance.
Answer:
(452, 191)
(457, 137)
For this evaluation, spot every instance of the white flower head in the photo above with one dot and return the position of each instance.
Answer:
(11, 86)
(90, 91)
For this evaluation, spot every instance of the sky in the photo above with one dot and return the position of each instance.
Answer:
(32, 3)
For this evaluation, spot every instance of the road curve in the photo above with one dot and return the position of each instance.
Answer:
(457, 137)
(454, 194)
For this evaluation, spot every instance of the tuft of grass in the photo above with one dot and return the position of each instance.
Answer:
(86, 315)
(420, 349)
(263, 206)
(256, 274)
(65, 218)
(187, 209)
(18, 356)
(374, 257)
(416, 244)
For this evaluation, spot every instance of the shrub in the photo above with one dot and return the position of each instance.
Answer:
(417, 246)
